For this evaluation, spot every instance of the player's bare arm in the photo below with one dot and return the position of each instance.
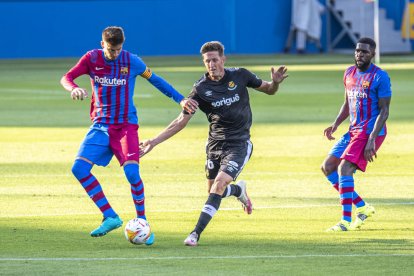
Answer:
(189, 105)
(342, 115)
(384, 106)
(173, 128)
(277, 76)
(78, 93)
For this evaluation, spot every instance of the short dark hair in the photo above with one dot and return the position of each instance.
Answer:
(369, 41)
(212, 46)
(113, 35)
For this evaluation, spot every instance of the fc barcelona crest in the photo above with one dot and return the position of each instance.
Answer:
(124, 70)
(365, 84)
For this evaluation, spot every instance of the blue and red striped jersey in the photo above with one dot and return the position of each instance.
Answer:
(113, 85)
(363, 90)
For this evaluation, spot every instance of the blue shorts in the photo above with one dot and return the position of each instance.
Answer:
(95, 146)
(104, 141)
(340, 146)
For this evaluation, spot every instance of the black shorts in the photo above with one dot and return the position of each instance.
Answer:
(227, 156)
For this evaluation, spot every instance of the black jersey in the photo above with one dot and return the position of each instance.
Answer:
(226, 103)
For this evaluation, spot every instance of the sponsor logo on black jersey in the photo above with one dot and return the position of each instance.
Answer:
(226, 101)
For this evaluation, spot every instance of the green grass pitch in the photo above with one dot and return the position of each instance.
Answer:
(46, 217)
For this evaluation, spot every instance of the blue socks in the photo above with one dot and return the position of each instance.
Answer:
(137, 188)
(82, 171)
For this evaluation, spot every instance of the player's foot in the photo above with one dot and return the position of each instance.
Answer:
(108, 224)
(150, 239)
(192, 239)
(244, 198)
(343, 225)
(363, 213)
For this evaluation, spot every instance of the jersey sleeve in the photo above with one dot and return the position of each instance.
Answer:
(81, 68)
(140, 68)
(346, 73)
(252, 80)
(384, 87)
(163, 86)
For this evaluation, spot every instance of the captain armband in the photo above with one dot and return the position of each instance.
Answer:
(147, 73)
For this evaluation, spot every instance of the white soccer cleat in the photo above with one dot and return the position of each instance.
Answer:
(244, 198)
(362, 214)
(192, 239)
(341, 226)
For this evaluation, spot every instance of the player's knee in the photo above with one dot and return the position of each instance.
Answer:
(323, 169)
(327, 168)
(218, 187)
(132, 173)
(81, 168)
(345, 168)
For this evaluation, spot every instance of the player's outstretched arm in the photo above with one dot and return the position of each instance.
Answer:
(173, 128)
(277, 76)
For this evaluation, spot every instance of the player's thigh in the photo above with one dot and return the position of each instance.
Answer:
(95, 147)
(235, 157)
(124, 142)
(212, 167)
(222, 180)
(340, 146)
(209, 184)
(330, 164)
(354, 152)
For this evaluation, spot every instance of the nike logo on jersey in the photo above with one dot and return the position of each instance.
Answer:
(99, 68)
(130, 154)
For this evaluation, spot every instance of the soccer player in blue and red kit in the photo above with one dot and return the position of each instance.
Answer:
(114, 131)
(367, 102)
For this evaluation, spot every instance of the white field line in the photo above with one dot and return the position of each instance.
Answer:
(198, 210)
(203, 257)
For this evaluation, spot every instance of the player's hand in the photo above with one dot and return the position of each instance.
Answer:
(278, 75)
(329, 131)
(369, 151)
(79, 94)
(189, 105)
(145, 147)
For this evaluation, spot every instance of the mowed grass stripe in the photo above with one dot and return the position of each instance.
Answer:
(301, 206)
(203, 257)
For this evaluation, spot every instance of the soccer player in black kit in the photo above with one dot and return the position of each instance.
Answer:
(223, 96)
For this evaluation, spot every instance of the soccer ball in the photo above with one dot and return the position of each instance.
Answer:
(137, 231)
